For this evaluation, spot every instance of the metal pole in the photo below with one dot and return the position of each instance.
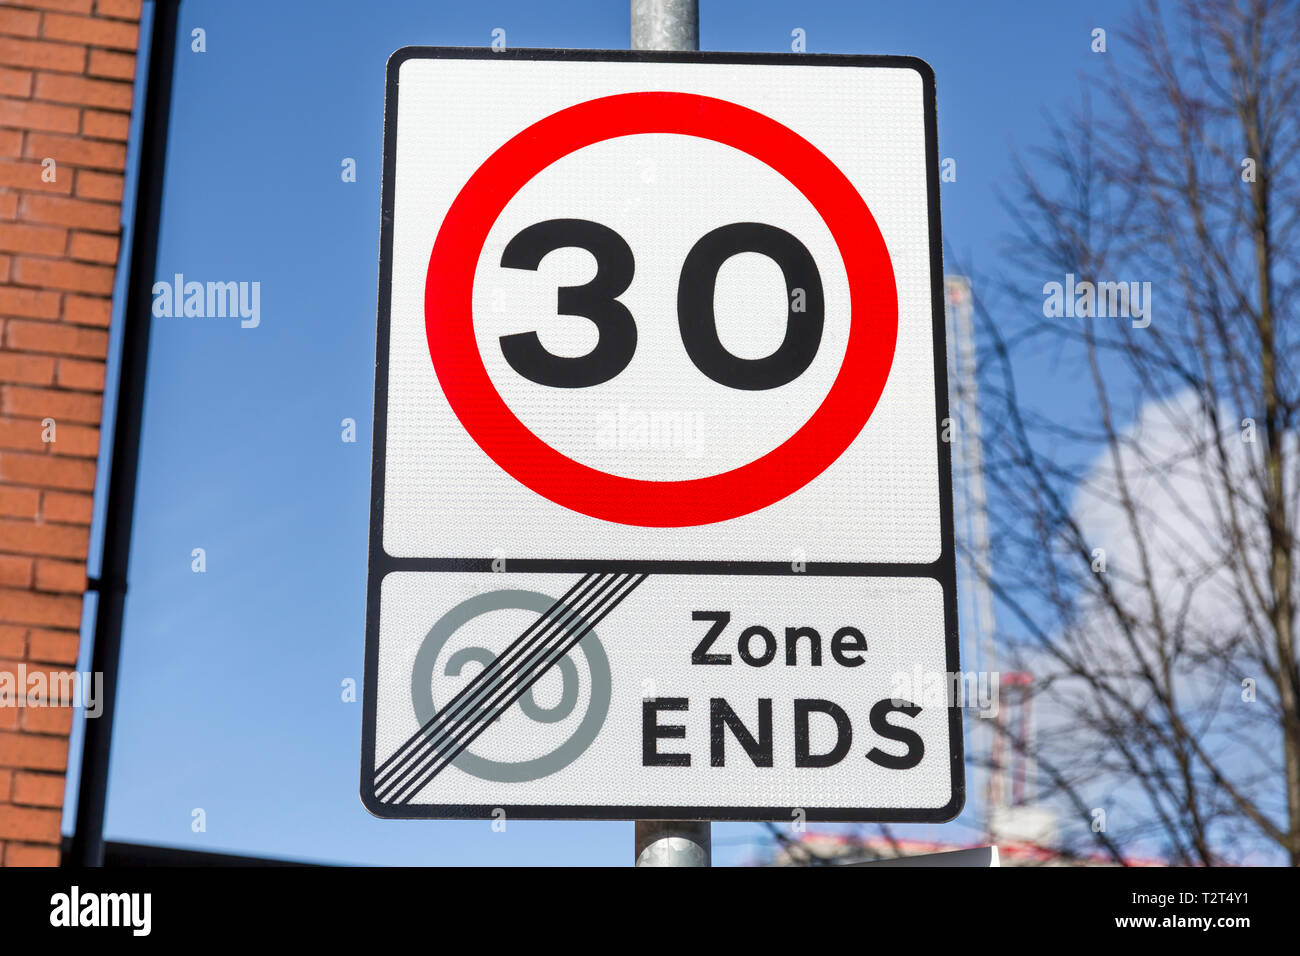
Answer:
(87, 847)
(665, 25)
(669, 25)
(673, 843)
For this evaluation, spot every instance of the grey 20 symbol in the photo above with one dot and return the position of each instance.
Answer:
(598, 302)
(426, 660)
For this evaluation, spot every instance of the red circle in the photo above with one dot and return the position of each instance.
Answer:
(449, 317)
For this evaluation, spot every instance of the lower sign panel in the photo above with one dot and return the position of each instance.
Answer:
(621, 695)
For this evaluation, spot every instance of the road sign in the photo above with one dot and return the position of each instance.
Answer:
(661, 520)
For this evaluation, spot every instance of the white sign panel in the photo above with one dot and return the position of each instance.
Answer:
(661, 506)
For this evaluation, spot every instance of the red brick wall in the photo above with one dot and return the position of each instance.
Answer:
(66, 73)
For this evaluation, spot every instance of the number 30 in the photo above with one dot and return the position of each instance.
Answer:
(598, 302)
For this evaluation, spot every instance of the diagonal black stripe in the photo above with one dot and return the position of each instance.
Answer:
(489, 678)
(579, 632)
(456, 737)
(475, 729)
(560, 606)
(517, 658)
(474, 708)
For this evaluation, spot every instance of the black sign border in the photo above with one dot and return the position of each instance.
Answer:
(380, 563)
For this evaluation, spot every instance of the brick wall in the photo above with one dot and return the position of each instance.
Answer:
(66, 72)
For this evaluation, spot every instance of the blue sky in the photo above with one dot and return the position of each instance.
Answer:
(230, 685)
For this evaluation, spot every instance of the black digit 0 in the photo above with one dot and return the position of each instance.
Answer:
(597, 301)
(803, 330)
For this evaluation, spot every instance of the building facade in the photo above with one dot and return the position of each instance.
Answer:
(67, 71)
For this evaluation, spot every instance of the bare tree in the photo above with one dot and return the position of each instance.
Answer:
(1143, 511)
